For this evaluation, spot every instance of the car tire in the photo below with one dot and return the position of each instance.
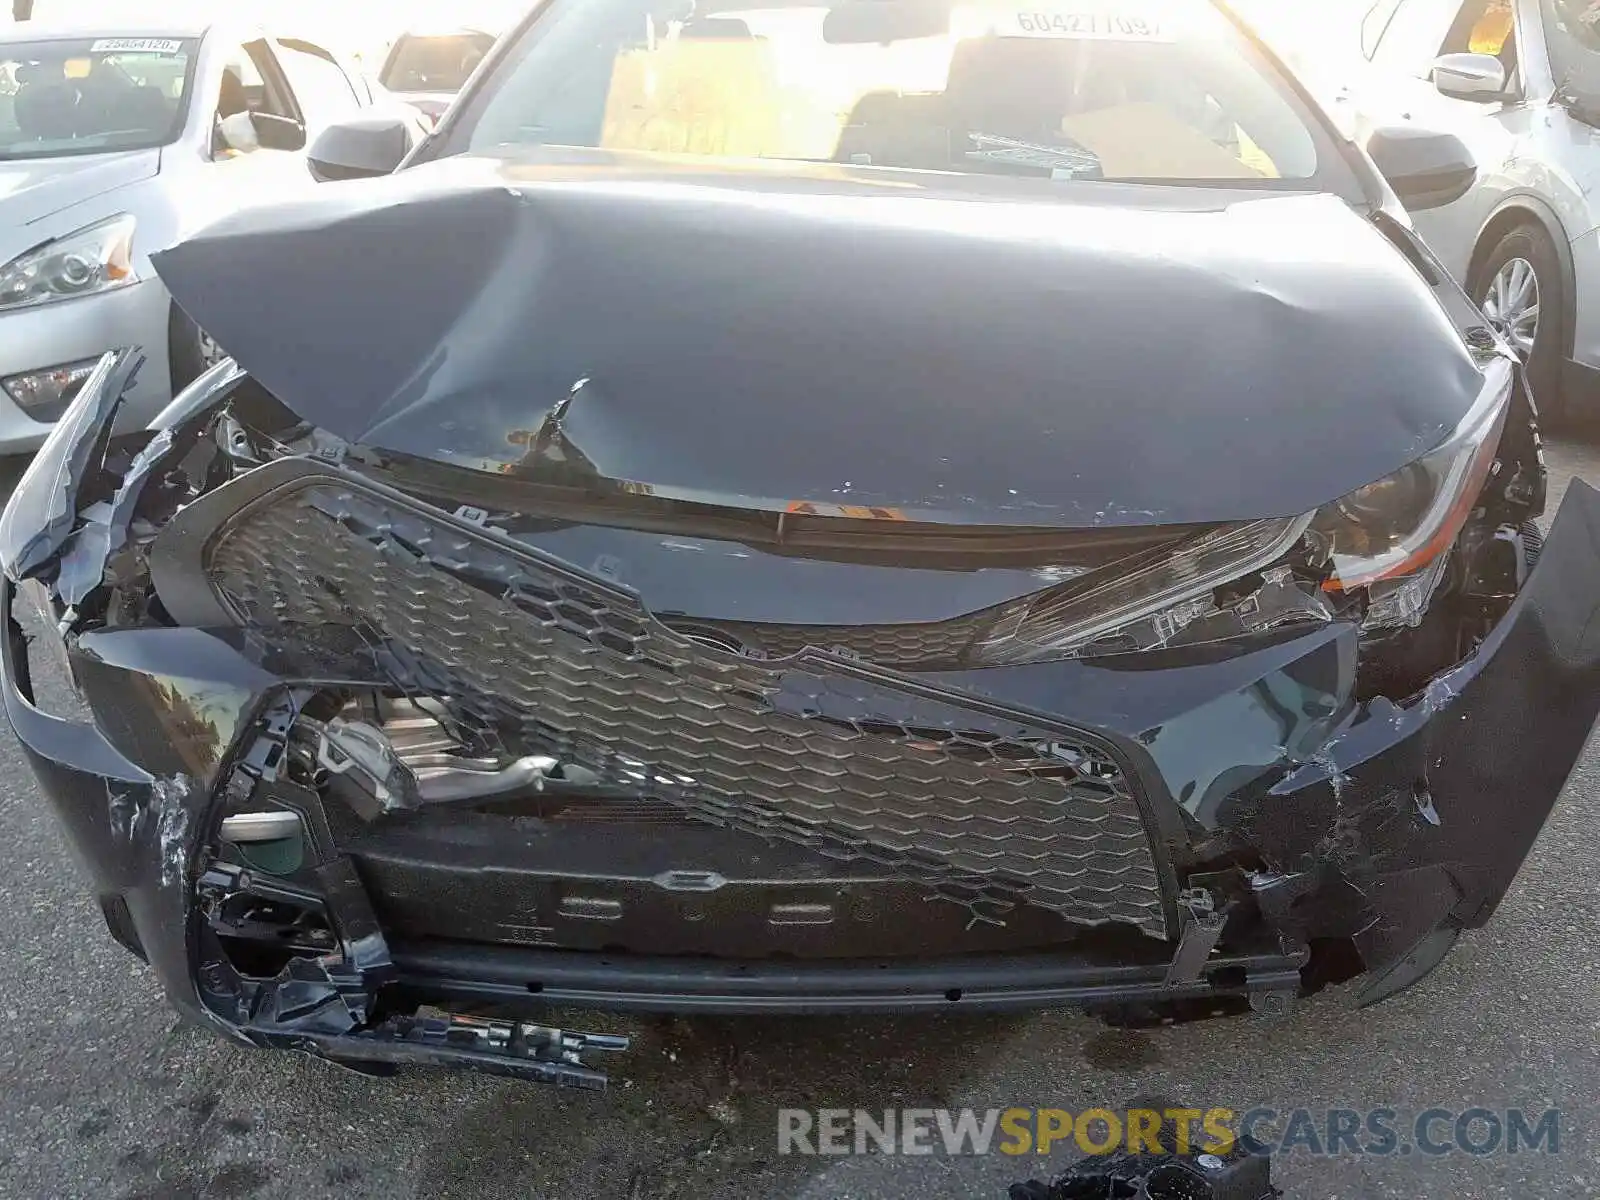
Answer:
(189, 350)
(1522, 268)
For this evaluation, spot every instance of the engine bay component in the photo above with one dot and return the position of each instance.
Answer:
(244, 828)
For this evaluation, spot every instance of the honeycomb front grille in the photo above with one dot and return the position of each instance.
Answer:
(984, 809)
(931, 645)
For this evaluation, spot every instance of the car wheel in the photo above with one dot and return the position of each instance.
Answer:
(1518, 285)
(190, 349)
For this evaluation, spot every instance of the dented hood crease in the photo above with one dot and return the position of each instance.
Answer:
(975, 351)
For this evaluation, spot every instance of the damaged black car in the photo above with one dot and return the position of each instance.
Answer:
(804, 509)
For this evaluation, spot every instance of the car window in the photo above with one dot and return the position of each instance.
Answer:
(1419, 31)
(1414, 34)
(1572, 33)
(275, 98)
(1577, 21)
(89, 95)
(434, 63)
(1118, 90)
(324, 91)
(1486, 27)
(1374, 24)
(1482, 27)
(250, 84)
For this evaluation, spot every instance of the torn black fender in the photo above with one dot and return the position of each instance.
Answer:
(1422, 813)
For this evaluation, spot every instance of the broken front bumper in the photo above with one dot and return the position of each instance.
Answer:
(1390, 826)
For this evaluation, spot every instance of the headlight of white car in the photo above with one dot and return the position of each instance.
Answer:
(96, 258)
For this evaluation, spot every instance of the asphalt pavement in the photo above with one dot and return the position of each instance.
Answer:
(104, 1094)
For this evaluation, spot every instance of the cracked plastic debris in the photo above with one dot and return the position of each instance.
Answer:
(169, 800)
(1404, 602)
(165, 813)
(32, 538)
(326, 1003)
(105, 493)
(87, 555)
(538, 1053)
(1167, 1175)
(123, 810)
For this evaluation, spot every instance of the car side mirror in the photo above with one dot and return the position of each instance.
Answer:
(1470, 76)
(362, 147)
(1426, 168)
(278, 133)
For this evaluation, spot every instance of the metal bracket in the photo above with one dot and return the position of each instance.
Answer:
(1273, 993)
(1202, 930)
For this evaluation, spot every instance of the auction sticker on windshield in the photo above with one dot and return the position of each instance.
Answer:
(136, 45)
(1067, 23)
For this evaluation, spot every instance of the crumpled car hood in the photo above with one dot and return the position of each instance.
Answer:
(968, 350)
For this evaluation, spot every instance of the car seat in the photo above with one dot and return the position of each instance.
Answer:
(47, 111)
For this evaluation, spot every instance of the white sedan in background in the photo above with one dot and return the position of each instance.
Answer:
(427, 67)
(1519, 82)
(113, 143)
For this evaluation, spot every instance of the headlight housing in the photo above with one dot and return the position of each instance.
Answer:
(97, 258)
(1392, 537)
(1389, 539)
(1145, 605)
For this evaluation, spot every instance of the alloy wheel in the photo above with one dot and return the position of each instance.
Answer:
(1512, 304)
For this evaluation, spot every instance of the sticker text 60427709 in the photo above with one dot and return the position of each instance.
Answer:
(1091, 25)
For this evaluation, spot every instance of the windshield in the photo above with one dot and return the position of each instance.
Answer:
(1125, 90)
(90, 95)
(434, 64)
(1572, 32)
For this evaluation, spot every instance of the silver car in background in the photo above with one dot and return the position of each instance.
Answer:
(114, 143)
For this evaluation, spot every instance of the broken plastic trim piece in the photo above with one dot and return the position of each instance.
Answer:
(533, 1053)
(44, 506)
(1164, 1168)
(325, 1003)
(1236, 1176)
